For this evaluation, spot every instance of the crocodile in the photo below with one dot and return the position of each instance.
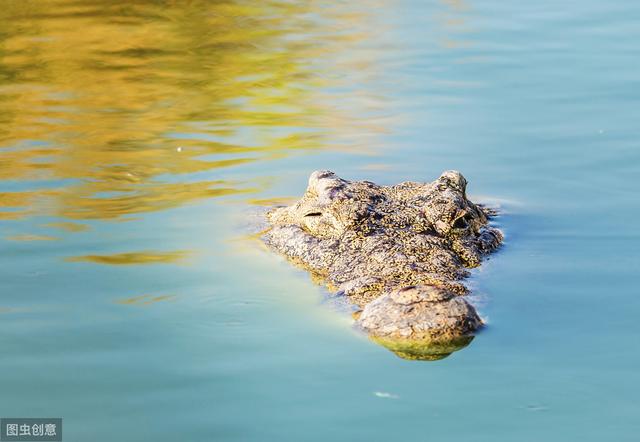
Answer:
(399, 253)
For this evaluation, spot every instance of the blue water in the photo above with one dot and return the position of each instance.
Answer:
(156, 130)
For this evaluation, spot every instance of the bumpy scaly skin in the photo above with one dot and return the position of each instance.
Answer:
(368, 241)
(420, 312)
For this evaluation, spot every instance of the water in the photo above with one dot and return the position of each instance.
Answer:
(137, 141)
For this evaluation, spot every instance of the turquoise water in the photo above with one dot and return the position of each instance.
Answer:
(138, 142)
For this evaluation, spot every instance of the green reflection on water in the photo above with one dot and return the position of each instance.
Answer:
(145, 257)
(423, 350)
(117, 99)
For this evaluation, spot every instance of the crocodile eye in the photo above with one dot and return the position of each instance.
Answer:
(314, 214)
(460, 223)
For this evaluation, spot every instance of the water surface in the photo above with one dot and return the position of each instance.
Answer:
(137, 140)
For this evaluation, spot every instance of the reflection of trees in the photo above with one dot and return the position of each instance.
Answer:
(96, 98)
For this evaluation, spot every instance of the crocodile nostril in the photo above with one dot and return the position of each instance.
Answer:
(314, 214)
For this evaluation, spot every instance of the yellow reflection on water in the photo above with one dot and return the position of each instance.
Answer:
(110, 109)
(68, 226)
(145, 299)
(144, 257)
(30, 237)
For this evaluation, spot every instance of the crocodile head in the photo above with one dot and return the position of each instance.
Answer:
(366, 240)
